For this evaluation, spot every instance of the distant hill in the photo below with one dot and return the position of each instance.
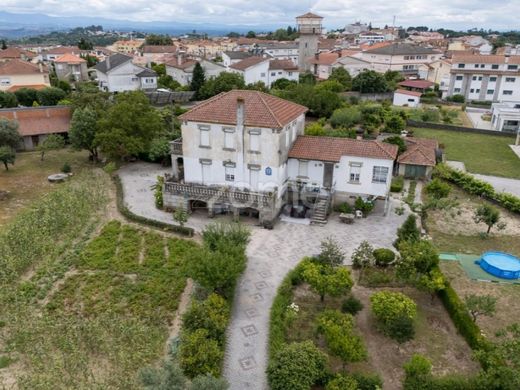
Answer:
(14, 25)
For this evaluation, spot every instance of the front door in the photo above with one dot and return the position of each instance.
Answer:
(414, 171)
(327, 175)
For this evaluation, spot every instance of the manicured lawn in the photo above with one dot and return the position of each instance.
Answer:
(482, 153)
(26, 180)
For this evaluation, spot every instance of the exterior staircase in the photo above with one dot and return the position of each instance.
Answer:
(319, 214)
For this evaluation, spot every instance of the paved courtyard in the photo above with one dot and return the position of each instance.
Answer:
(271, 254)
(502, 184)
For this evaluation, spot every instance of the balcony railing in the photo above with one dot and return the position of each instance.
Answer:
(176, 147)
(219, 194)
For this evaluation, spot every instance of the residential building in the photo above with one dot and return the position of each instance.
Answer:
(16, 74)
(310, 29)
(419, 159)
(69, 67)
(15, 53)
(181, 69)
(157, 53)
(36, 123)
(233, 154)
(416, 85)
(118, 74)
(370, 37)
(232, 57)
(353, 64)
(403, 97)
(52, 54)
(505, 116)
(129, 47)
(409, 59)
(280, 50)
(346, 167)
(439, 73)
(254, 69)
(282, 69)
(355, 28)
(493, 78)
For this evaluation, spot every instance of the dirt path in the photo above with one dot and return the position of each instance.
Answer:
(175, 327)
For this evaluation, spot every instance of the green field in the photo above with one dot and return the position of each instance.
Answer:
(481, 153)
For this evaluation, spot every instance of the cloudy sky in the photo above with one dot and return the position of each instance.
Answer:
(495, 14)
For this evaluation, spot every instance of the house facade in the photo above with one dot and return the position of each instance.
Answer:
(69, 67)
(233, 154)
(118, 74)
(403, 97)
(232, 57)
(181, 69)
(493, 78)
(419, 159)
(505, 116)
(16, 74)
(254, 69)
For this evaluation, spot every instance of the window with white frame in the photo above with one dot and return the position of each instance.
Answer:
(254, 140)
(379, 174)
(229, 138)
(204, 136)
(229, 168)
(355, 172)
(303, 168)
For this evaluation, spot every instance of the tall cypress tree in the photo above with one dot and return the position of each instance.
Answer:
(198, 79)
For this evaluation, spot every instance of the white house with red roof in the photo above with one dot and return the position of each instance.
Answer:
(403, 97)
(233, 154)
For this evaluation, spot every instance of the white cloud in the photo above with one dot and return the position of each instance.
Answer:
(435, 13)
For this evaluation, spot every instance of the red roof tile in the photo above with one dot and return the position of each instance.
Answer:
(309, 15)
(15, 88)
(183, 64)
(248, 62)
(70, 59)
(14, 52)
(282, 64)
(261, 110)
(421, 84)
(420, 151)
(332, 149)
(20, 67)
(406, 92)
(39, 120)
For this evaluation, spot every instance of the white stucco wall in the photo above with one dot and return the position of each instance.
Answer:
(401, 99)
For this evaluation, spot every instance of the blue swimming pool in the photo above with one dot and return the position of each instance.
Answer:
(501, 264)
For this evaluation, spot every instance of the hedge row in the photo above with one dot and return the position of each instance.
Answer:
(462, 320)
(478, 187)
(187, 231)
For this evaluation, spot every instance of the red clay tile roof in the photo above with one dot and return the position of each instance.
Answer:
(14, 52)
(248, 62)
(332, 149)
(406, 92)
(63, 50)
(185, 63)
(309, 15)
(421, 84)
(39, 120)
(15, 88)
(484, 59)
(282, 64)
(20, 67)
(261, 110)
(420, 151)
(69, 58)
(159, 49)
(327, 58)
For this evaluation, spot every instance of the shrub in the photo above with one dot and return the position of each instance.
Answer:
(315, 128)
(383, 256)
(326, 280)
(408, 231)
(199, 354)
(366, 206)
(418, 365)
(342, 382)
(397, 184)
(345, 117)
(392, 310)
(397, 140)
(344, 208)
(351, 305)
(367, 381)
(395, 124)
(331, 254)
(457, 98)
(296, 366)
(66, 168)
(438, 189)
(363, 255)
(212, 314)
(207, 382)
(158, 192)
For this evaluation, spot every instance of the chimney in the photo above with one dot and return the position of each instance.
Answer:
(108, 62)
(317, 55)
(240, 113)
(339, 53)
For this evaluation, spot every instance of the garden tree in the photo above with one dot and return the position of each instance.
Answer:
(321, 103)
(342, 382)
(50, 96)
(258, 86)
(7, 156)
(393, 77)
(128, 126)
(342, 76)
(7, 99)
(51, 142)
(83, 128)
(199, 354)
(296, 366)
(167, 81)
(159, 150)
(487, 214)
(338, 329)
(417, 371)
(397, 140)
(208, 382)
(158, 40)
(83, 44)
(432, 283)
(283, 83)
(160, 69)
(391, 309)
(9, 135)
(167, 377)
(331, 254)
(211, 314)
(363, 256)
(326, 280)
(408, 231)
(198, 79)
(251, 34)
(395, 124)
(329, 85)
(307, 78)
(91, 60)
(346, 117)
(64, 86)
(480, 305)
(417, 258)
(369, 81)
(26, 96)
(438, 189)
(180, 215)
(224, 82)
(315, 128)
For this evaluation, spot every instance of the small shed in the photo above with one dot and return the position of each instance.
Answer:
(402, 97)
(419, 159)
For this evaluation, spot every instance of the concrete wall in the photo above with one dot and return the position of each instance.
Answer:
(401, 99)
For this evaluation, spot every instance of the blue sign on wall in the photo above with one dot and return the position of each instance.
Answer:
(268, 171)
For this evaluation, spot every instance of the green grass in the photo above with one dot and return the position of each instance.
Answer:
(481, 153)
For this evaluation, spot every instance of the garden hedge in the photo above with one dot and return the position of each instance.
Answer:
(478, 187)
(187, 231)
